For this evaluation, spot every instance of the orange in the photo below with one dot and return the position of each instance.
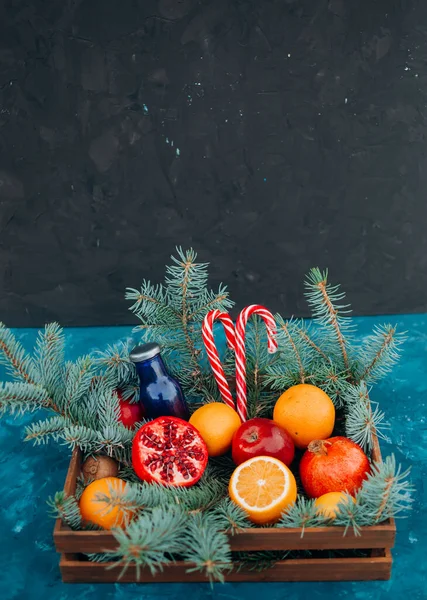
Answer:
(101, 513)
(263, 486)
(216, 422)
(328, 503)
(306, 412)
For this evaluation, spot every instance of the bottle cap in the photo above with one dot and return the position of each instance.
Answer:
(144, 352)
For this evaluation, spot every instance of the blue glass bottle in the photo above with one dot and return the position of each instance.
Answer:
(160, 394)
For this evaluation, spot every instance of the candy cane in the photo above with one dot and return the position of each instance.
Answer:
(212, 352)
(270, 323)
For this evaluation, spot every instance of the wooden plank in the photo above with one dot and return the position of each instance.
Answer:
(310, 569)
(315, 538)
(69, 489)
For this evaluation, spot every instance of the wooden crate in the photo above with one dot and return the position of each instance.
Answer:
(376, 541)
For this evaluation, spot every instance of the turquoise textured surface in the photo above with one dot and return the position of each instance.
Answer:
(29, 475)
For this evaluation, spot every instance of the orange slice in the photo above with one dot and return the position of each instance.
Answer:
(263, 486)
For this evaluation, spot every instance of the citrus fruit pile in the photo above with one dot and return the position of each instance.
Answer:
(170, 451)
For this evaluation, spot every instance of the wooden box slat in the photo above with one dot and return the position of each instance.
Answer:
(380, 538)
(307, 569)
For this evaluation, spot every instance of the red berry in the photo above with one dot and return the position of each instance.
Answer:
(333, 465)
(169, 451)
(262, 437)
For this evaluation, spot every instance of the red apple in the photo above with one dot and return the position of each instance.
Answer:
(262, 437)
(130, 414)
(333, 465)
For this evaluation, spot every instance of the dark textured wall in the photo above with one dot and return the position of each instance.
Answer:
(270, 135)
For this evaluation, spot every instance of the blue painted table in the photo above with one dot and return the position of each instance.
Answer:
(29, 475)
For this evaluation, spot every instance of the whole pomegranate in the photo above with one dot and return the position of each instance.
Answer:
(333, 465)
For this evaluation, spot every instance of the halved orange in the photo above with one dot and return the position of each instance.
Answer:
(264, 487)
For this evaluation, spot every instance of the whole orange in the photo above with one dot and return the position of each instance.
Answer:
(100, 512)
(217, 423)
(306, 412)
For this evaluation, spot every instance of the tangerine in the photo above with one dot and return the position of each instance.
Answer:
(328, 504)
(217, 423)
(98, 511)
(306, 412)
(264, 487)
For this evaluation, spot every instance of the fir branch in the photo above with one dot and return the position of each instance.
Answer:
(303, 333)
(350, 515)
(230, 517)
(385, 493)
(136, 497)
(332, 380)
(22, 397)
(43, 431)
(78, 379)
(18, 363)
(324, 300)
(279, 377)
(116, 367)
(49, 356)
(65, 508)
(151, 305)
(364, 419)
(380, 352)
(210, 300)
(207, 547)
(286, 328)
(150, 540)
(100, 557)
(79, 436)
(301, 514)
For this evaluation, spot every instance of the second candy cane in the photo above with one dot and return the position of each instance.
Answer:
(270, 323)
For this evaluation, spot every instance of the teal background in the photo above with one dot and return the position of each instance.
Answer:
(29, 475)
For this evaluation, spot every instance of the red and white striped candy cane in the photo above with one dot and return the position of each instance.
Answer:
(254, 309)
(212, 352)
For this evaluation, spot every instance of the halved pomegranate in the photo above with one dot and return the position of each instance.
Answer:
(169, 451)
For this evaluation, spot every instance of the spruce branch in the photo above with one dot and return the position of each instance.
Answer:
(230, 517)
(65, 508)
(49, 359)
(364, 419)
(286, 328)
(114, 363)
(207, 547)
(17, 362)
(301, 514)
(302, 331)
(332, 380)
(380, 352)
(42, 432)
(350, 515)
(386, 492)
(22, 397)
(136, 497)
(150, 540)
(325, 301)
(78, 379)
(151, 305)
